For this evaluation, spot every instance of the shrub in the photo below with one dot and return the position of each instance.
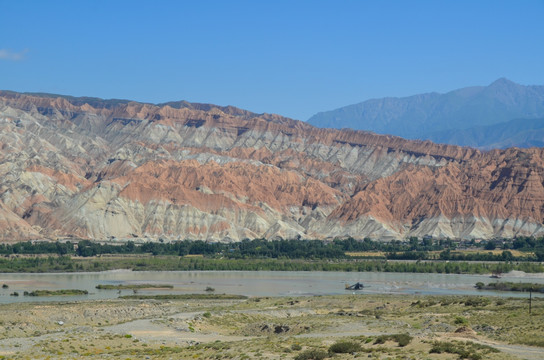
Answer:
(345, 347)
(532, 340)
(459, 320)
(313, 354)
(465, 350)
(207, 314)
(401, 339)
(296, 347)
(477, 301)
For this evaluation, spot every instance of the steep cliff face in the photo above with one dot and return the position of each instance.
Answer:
(97, 169)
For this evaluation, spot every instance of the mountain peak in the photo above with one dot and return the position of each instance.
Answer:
(503, 82)
(423, 117)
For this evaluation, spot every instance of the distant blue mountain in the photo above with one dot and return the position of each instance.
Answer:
(518, 132)
(503, 114)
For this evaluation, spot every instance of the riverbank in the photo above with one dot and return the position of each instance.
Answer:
(274, 328)
(510, 286)
(39, 264)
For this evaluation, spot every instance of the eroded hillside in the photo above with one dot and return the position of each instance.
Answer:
(92, 168)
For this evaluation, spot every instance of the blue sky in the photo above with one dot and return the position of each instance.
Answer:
(293, 58)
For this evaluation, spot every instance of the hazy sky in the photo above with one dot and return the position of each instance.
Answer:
(291, 57)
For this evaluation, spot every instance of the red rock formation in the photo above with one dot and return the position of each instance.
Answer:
(95, 168)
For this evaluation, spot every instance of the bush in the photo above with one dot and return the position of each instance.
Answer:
(465, 350)
(345, 347)
(459, 320)
(296, 347)
(401, 339)
(313, 354)
(207, 315)
(477, 301)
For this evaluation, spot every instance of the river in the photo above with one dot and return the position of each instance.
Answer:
(253, 283)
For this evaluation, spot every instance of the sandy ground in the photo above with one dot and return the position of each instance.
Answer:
(267, 328)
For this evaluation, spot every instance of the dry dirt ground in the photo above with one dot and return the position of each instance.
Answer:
(275, 328)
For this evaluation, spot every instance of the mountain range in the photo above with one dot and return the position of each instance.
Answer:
(501, 115)
(116, 169)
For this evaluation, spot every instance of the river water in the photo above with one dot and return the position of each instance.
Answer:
(253, 283)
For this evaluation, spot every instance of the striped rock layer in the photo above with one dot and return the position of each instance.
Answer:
(102, 169)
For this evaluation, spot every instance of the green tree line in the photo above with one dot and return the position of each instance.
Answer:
(413, 249)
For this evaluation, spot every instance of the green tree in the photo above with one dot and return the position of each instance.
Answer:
(490, 245)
